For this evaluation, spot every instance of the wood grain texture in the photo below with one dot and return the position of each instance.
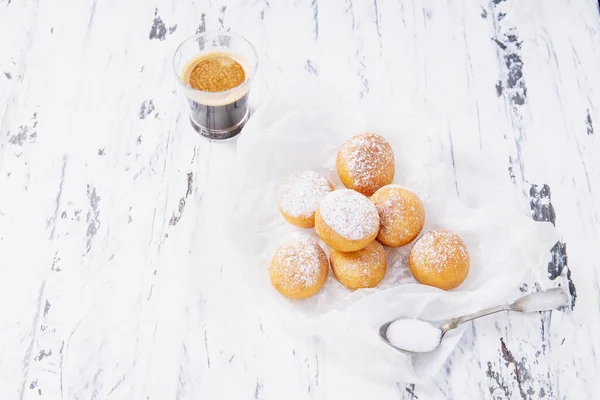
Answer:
(114, 277)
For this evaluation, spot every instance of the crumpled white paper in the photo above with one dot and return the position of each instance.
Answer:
(303, 129)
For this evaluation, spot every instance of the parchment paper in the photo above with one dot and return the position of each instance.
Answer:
(302, 129)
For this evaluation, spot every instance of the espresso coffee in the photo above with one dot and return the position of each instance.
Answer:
(219, 106)
(215, 72)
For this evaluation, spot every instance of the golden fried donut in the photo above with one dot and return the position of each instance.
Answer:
(359, 269)
(439, 258)
(299, 268)
(299, 196)
(401, 214)
(365, 163)
(346, 220)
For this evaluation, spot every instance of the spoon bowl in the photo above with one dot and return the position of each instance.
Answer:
(416, 336)
(383, 336)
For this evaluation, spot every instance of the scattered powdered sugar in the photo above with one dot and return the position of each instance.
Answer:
(436, 248)
(398, 271)
(368, 155)
(299, 262)
(414, 335)
(301, 193)
(350, 214)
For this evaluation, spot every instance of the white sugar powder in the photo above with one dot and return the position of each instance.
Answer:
(301, 193)
(350, 214)
(414, 335)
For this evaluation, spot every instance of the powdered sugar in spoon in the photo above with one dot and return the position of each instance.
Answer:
(413, 336)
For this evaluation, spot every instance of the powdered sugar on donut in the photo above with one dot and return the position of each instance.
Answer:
(350, 214)
(392, 210)
(302, 192)
(437, 248)
(363, 266)
(404, 213)
(299, 262)
(368, 156)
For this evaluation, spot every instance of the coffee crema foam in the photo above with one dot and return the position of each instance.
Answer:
(215, 72)
(213, 78)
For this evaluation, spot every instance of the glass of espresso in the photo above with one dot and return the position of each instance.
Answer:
(216, 70)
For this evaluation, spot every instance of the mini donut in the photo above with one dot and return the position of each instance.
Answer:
(299, 196)
(359, 269)
(346, 220)
(439, 258)
(365, 163)
(401, 214)
(299, 268)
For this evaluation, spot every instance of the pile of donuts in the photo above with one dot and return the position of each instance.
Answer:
(356, 222)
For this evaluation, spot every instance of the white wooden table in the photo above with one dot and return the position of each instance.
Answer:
(113, 282)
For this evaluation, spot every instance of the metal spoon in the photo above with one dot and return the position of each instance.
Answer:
(540, 301)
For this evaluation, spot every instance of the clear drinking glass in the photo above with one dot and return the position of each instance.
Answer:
(217, 115)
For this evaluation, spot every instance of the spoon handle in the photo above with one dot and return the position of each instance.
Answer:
(540, 301)
(454, 322)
